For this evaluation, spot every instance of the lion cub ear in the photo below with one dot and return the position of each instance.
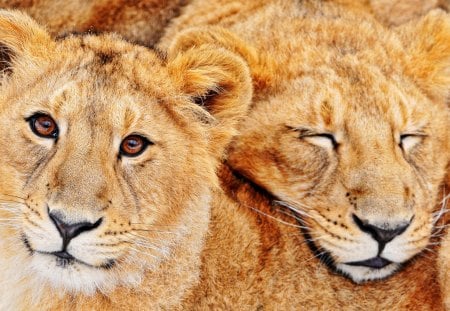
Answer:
(23, 43)
(218, 81)
(427, 42)
(262, 66)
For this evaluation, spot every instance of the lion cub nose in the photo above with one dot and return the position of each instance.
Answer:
(68, 231)
(381, 235)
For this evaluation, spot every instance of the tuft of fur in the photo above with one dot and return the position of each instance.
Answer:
(397, 12)
(141, 21)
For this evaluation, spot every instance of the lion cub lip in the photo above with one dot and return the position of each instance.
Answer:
(63, 255)
(375, 262)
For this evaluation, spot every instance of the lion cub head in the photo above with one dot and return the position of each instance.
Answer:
(109, 152)
(353, 137)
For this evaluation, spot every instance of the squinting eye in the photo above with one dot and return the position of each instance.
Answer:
(133, 145)
(408, 141)
(325, 140)
(43, 126)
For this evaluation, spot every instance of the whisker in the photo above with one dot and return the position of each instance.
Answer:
(13, 196)
(153, 230)
(318, 255)
(142, 252)
(151, 225)
(293, 216)
(273, 218)
(146, 244)
(5, 202)
(302, 213)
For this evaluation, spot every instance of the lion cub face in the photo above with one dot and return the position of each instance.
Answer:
(357, 151)
(106, 153)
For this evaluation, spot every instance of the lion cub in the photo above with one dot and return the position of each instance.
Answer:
(347, 144)
(108, 165)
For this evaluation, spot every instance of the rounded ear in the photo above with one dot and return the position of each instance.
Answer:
(262, 66)
(427, 43)
(23, 43)
(218, 81)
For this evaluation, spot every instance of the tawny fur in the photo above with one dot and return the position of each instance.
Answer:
(153, 210)
(397, 12)
(329, 69)
(141, 21)
(249, 260)
(445, 269)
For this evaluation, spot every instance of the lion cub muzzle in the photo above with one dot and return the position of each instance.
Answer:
(69, 230)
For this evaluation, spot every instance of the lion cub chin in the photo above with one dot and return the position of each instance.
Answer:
(109, 156)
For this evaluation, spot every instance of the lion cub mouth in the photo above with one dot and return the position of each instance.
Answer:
(375, 263)
(65, 259)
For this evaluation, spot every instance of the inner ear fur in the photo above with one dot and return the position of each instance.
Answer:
(22, 40)
(427, 42)
(219, 82)
(262, 66)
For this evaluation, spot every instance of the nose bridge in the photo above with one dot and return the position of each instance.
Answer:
(80, 180)
(376, 181)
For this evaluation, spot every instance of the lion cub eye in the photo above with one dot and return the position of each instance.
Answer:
(43, 125)
(133, 145)
(325, 140)
(407, 141)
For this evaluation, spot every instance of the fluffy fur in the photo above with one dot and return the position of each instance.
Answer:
(444, 261)
(139, 21)
(397, 12)
(150, 212)
(348, 127)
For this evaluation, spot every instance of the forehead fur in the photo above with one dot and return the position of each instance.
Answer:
(324, 74)
(86, 76)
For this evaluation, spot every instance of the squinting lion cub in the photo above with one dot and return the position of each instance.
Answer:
(348, 138)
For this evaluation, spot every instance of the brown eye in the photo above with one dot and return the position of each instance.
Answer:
(133, 145)
(43, 126)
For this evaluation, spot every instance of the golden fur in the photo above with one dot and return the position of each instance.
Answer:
(397, 12)
(348, 122)
(140, 21)
(142, 219)
(248, 260)
(444, 261)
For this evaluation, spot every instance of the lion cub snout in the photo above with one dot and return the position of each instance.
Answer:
(381, 232)
(382, 217)
(70, 229)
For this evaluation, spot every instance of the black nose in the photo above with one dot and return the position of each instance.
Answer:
(382, 236)
(69, 231)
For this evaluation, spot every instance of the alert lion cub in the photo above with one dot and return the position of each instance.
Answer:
(108, 165)
(347, 140)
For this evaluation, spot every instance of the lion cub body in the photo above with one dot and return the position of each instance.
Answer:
(140, 21)
(348, 134)
(165, 236)
(86, 223)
